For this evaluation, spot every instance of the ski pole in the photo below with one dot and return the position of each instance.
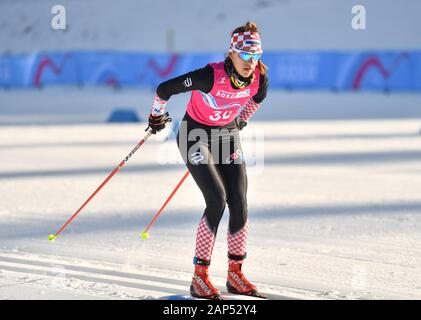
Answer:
(145, 235)
(52, 237)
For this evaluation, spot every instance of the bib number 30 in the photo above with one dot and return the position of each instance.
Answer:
(218, 115)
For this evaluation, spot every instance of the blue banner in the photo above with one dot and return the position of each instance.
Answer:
(290, 70)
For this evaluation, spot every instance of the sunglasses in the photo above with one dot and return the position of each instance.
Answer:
(246, 56)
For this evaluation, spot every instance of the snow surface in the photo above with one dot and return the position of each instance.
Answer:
(334, 213)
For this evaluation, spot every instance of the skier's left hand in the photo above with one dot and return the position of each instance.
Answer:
(240, 123)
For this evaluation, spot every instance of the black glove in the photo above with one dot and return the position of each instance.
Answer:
(240, 123)
(157, 123)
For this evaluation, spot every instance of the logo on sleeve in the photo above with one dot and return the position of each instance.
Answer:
(187, 83)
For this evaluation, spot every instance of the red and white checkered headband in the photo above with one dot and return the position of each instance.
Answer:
(246, 41)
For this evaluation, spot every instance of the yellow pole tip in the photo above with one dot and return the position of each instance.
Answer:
(144, 235)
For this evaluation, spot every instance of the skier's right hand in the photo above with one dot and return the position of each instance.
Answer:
(157, 123)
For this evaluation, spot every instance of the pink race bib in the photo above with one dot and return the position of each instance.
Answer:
(222, 104)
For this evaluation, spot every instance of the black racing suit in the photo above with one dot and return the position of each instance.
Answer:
(214, 157)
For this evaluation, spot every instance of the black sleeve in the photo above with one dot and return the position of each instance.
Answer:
(263, 88)
(200, 79)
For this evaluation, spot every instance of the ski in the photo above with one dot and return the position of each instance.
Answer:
(251, 296)
(233, 296)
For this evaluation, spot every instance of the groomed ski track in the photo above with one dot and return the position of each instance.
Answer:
(64, 278)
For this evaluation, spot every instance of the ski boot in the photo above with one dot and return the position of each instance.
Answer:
(238, 284)
(201, 286)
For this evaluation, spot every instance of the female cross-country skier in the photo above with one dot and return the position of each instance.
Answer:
(224, 96)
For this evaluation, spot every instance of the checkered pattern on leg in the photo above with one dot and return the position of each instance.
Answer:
(205, 240)
(237, 243)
